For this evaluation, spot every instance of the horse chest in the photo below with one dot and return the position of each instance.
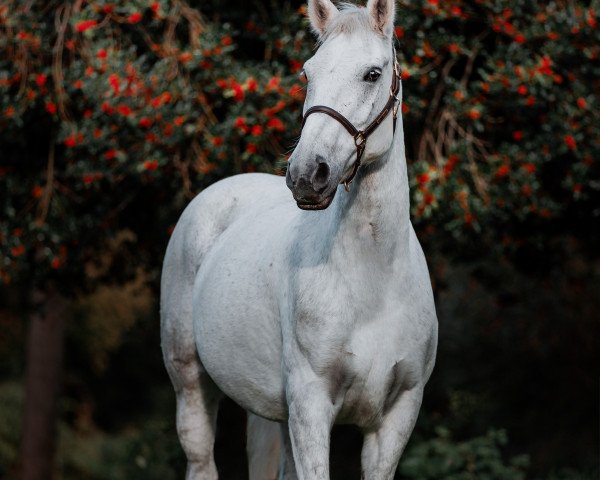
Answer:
(383, 363)
(364, 360)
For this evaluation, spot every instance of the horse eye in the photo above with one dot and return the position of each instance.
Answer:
(303, 76)
(373, 75)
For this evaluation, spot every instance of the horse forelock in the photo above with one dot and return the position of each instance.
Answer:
(351, 19)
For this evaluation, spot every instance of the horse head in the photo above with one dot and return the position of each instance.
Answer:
(353, 91)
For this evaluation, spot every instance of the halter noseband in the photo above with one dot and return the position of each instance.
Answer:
(360, 136)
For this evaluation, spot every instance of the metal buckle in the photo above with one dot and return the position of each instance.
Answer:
(396, 99)
(396, 107)
(397, 74)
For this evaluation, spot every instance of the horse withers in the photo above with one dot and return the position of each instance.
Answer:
(309, 316)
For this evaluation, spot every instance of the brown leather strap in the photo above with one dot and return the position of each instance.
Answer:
(332, 113)
(360, 136)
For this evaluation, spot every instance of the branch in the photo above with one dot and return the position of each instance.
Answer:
(63, 11)
(478, 181)
(471, 60)
(433, 106)
(47, 195)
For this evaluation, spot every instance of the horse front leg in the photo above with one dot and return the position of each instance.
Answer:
(311, 415)
(197, 405)
(382, 448)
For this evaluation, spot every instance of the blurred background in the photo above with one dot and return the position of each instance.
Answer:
(115, 114)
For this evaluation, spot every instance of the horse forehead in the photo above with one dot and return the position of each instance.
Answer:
(348, 50)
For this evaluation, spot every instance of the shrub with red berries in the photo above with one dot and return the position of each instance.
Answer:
(105, 103)
(503, 117)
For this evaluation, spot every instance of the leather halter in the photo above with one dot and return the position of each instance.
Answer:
(360, 136)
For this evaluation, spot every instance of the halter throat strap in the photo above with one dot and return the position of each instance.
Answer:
(361, 136)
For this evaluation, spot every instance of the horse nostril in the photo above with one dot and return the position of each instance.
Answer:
(321, 177)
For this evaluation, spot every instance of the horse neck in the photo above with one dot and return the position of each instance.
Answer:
(376, 211)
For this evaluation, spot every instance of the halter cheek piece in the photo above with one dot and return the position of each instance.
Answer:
(361, 136)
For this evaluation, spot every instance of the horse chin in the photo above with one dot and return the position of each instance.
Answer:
(322, 205)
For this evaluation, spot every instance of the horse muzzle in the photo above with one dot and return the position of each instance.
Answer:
(313, 186)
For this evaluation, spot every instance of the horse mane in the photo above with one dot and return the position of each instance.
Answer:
(350, 19)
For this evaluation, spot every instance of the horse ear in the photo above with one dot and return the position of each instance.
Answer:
(382, 13)
(320, 13)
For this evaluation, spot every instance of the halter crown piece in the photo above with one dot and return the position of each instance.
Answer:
(361, 136)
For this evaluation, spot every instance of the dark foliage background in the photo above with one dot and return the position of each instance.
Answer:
(114, 114)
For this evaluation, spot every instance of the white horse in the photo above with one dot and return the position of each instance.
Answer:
(308, 318)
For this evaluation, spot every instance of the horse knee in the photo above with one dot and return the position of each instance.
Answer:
(197, 452)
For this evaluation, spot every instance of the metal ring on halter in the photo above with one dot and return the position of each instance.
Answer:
(359, 136)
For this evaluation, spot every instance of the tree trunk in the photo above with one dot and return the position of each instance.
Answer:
(45, 342)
